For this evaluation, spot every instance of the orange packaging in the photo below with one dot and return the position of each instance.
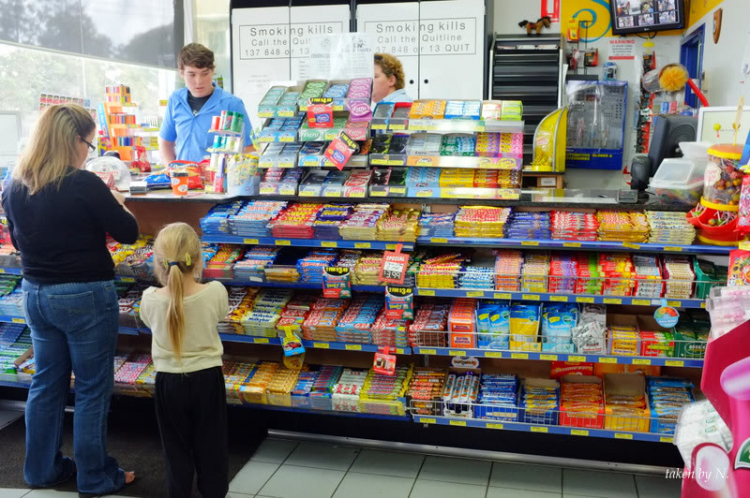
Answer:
(561, 368)
(600, 369)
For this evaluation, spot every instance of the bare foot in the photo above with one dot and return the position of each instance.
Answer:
(129, 477)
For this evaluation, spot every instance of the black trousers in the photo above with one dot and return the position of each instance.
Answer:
(192, 413)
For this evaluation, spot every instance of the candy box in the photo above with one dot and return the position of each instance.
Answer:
(626, 385)
(584, 419)
(320, 116)
(529, 415)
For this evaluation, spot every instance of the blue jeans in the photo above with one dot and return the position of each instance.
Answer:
(73, 326)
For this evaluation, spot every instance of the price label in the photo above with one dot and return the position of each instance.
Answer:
(641, 302)
(641, 361)
(454, 352)
(503, 295)
(580, 359)
(475, 294)
(674, 304)
(326, 243)
(612, 300)
(584, 299)
(2, 270)
(399, 350)
(286, 114)
(253, 242)
(123, 279)
(578, 432)
(378, 162)
(542, 430)
(438, 240)
(426, 292)
(399, 127)
(620, 435)
(18, 320)
(362, 245)
(519, 356)
(532, 297)
(353, 347)
(376, 127)
(674, 363)
(548, 357)
(397, 190)
(283, 242)
(306, 193)
(321, 345)
(673, 249)
(494, 426)
(530, 243)
(428, 351)
(424, 193)
(571, 244)
(378, 194)
(493, 354)
(631, 246)
(261, 340)
(605, 359)
(428, 420)
(703, 305)
(665, 439)
(458, 423)
(558, 299)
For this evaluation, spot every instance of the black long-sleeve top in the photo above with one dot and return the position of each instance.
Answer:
(61, 232)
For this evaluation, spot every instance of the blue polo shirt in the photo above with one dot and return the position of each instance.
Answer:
(190, 132)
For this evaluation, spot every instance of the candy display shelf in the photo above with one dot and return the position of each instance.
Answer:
(571, 357)
(287, 404)
(342, 244)
(452, 126)
(568, 244)
(472, 162)
(543, 429)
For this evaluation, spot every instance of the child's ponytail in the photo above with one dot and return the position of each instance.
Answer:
(177, 251)
(176, 313)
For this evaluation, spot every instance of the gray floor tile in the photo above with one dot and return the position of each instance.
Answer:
(274, 451)
(457, 470)
(374, 486)
(530, 477)
(436, 489)
(13, 493)
(598, 484)
(7, 417)
(293, 482)
(252, 477)
(388, 463)
(658, 487)
(323, 456)
(519, 493)
(49, 493)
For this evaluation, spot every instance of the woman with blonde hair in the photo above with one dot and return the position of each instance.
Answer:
(389, 80)
(191, 403)
(59, 216)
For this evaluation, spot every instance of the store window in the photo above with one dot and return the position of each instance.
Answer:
(212, 30)
(29, 73)
(138, 31)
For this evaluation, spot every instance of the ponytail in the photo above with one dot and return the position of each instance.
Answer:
(177, 253)
(176, 312)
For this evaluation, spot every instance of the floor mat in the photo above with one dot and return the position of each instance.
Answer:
(134, 440)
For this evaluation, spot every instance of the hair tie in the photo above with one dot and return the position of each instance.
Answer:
(188, 259)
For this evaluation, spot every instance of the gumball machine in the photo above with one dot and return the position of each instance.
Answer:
(716, 216)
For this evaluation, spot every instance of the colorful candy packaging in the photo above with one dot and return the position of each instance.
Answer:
(743, 224)
(524, 326)
(558, 321)
(493, 319)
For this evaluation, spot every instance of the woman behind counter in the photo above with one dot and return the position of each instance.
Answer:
(388, 81)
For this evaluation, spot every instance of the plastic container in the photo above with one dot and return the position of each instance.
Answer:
(679, 181)
(696, 151)
(723, 178)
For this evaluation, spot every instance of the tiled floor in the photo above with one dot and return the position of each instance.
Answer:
(287, 469)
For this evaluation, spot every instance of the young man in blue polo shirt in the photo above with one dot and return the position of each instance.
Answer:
(184, 132)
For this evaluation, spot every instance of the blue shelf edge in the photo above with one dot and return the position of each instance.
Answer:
(553, 356)
(567, 244)
(273, 241)
(544, 429)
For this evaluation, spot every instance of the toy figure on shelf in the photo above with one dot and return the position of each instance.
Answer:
(544, 22)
